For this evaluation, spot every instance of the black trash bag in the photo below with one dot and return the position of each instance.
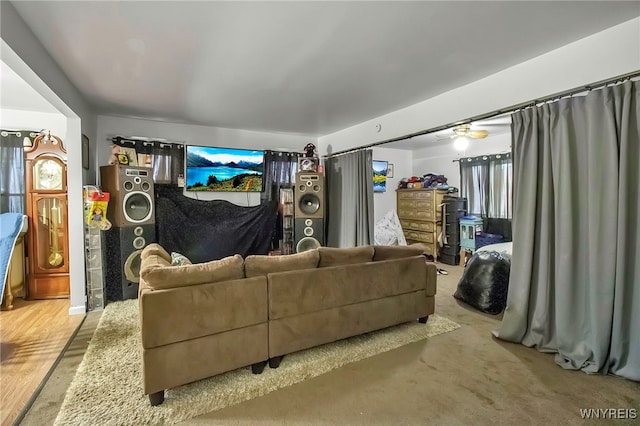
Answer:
(485, 282)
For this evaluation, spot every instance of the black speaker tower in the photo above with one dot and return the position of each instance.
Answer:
(124, 246)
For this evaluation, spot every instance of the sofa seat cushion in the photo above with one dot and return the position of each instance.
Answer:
(160, 274)
(331, 256)
(397, 252)
(255, 266)
(300, 292)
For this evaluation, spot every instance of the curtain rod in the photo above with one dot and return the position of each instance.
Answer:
(484, 156)
(32, 133)
(507, 110)
(134, 139)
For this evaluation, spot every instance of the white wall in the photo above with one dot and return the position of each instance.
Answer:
(610, 53)
(34, 121)
(402, 167)
(23, 53)
(439, 159)
(109, 126)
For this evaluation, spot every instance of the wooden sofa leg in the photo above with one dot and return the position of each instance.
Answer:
(258, 367)
(423, 320)
(275, 361)
(156, 398)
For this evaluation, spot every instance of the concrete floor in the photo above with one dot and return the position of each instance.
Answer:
(458, 378)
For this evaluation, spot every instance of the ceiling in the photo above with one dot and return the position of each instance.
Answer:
(309, 68)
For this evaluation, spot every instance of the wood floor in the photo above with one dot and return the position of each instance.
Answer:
(32, 336)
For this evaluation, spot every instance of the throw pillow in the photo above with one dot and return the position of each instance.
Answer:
(255, 266)
(178, 259)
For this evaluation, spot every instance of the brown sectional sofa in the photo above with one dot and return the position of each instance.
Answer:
(201, 320)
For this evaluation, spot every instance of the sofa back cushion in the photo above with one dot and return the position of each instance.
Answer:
(330, 256)
(158, 273)
(397, 252)
(255, 266)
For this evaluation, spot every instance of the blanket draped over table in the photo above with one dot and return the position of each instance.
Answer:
(10, 226)
(211, 230)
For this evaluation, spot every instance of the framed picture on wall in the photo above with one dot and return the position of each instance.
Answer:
(85, 152)
(390, 170)
(380, 176)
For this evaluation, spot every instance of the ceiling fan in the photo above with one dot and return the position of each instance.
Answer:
(464, 131)
(461, 135)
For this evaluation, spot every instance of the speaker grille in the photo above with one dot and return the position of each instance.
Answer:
(132, 195)
(307, 243)
(309, 204)
(123, 249)
(137, 207)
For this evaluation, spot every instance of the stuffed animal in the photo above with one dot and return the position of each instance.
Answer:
(310, 150)
(115, 150)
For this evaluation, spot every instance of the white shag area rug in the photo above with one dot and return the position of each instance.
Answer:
(107, 388)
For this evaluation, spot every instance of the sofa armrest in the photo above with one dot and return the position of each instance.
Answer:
(432, 278)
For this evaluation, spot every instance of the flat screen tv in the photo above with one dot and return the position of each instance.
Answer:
(223, 169)
(380, 176)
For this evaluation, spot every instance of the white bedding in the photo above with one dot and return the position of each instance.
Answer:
(502, 248)
(388, 231)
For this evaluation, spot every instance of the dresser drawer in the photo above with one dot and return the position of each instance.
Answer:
(424, 204)
(406, 214)
(407, 203)
(425, 237)
(424, 214)
(407, 194)
(418, 226)
(425, 195)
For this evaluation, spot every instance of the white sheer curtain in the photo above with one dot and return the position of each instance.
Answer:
(500, 189)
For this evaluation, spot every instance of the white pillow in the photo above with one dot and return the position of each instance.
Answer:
(178, 259)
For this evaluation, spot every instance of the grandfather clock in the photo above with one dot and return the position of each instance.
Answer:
(48, 243)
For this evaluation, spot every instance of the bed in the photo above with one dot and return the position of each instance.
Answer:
(504, 248)
(13, 227)
(485, 281)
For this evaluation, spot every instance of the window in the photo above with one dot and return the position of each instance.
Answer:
(487, 183)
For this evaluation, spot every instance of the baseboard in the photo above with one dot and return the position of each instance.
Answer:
(78, 310)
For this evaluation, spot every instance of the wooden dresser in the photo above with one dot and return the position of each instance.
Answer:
(419, 214)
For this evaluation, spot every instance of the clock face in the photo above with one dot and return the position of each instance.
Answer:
(48, 175)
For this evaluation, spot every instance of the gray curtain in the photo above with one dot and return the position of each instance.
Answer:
(350, 199)
(12, 179)
(279, 172)
(574, 288)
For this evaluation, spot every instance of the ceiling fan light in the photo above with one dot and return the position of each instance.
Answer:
(461, 143)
